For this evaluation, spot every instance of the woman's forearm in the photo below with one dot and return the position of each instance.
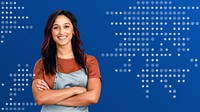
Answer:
(90, 97)
(83, 99)
(48, 96)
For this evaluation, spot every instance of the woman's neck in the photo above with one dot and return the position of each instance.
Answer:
(65, 52)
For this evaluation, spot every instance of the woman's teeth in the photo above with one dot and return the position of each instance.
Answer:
(62, 37)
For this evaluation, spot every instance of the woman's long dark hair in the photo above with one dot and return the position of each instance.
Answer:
(49, 50)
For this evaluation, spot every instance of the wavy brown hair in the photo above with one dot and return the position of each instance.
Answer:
(48, 50)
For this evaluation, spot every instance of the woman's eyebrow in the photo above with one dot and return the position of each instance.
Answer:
(64, 23)
(68, 23)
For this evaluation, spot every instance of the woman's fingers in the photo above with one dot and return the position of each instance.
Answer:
(45, 84)
(79, 90)
(42, 85)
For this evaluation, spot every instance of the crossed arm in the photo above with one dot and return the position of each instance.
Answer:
(74, 96)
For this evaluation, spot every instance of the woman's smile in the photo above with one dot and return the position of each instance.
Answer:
(62, 37)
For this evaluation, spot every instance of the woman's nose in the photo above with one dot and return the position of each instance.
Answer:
(61, 31)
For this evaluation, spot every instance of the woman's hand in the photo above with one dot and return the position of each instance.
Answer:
(42, 85)
(79, 90)
(43, 95)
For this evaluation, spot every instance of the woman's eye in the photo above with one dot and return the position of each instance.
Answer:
(55, 27)
(66, 26)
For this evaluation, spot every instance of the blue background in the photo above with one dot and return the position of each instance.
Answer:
(122, 91)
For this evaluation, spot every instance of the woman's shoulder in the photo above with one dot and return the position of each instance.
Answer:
(38, 68)
(90, 60)
(38, 64)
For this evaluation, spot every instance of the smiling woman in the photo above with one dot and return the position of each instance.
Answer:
(65, 78)
(62, 31)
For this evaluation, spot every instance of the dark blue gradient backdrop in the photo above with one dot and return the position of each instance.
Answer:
(148, 52)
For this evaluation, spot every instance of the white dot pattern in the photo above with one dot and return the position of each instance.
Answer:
(20, 83)
(148, 23)
(9, 19)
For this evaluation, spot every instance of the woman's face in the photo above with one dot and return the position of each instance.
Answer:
(62, 31)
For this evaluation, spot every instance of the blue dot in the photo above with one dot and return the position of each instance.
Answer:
(18, 108)
(197, 23)
(147, 91)
(147, 96)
